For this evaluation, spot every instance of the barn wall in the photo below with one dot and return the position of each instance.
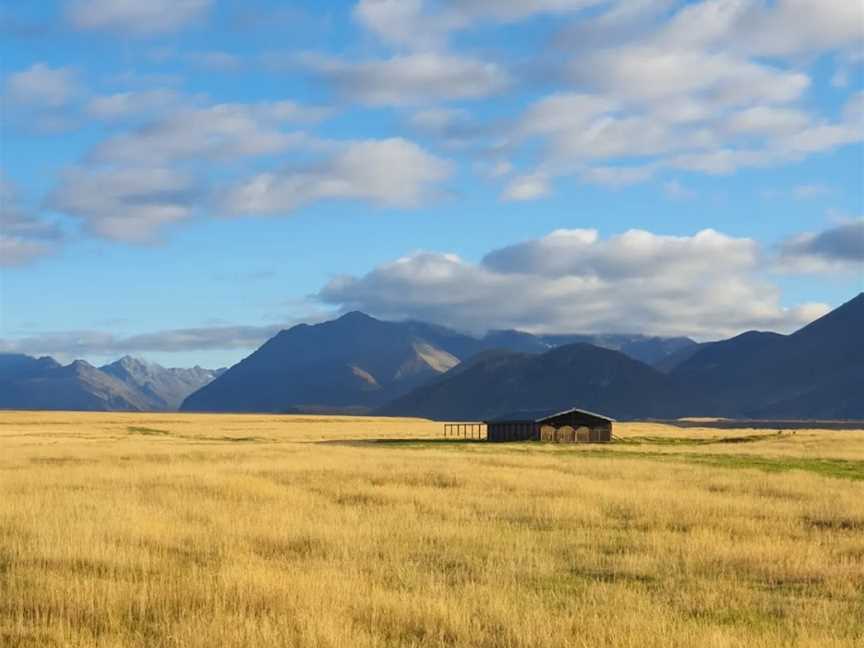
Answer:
(563, 429)
(511, 432)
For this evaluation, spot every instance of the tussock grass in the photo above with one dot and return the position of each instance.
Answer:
(200, 530)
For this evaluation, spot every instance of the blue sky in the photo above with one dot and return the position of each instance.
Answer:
(182, 178)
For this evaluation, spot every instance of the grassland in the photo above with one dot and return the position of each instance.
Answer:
(198, 530)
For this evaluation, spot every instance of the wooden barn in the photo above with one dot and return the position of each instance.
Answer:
(570, 426)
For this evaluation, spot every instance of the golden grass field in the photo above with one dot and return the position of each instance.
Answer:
(219, 530)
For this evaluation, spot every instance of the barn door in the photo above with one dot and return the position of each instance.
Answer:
(583, 434)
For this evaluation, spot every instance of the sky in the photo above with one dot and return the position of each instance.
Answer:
(180, 179)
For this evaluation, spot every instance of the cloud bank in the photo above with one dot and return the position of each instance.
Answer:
(707, 285)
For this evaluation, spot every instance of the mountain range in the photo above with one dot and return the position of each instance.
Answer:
(359, 364)
(814, 373)
(129, 384)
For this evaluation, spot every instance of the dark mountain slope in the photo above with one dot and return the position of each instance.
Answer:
(353, 362)
(579, 375)
(679, 357)
(515, 341)
(650, 350)
(647, 349)
(817, 372)
(722, 367)
(15, 366)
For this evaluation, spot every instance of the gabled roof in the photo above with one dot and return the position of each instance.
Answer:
(538, 416)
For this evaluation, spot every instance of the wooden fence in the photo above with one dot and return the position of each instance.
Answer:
(465, 431)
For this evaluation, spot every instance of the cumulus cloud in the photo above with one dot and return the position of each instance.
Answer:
(617, 176)
(136, 17)
(133, 184)
(124, 105)
(675, 190)
(527, 187)
(422, 24)
(222, 131)
(126, 204)
(652, 73)
(706, 285)
(24, 235)
(392, 172)
(757, 27)
(837, 248)
(710, 87)
(16, 251)
(768, 120)
(42, 86)
(410, 79)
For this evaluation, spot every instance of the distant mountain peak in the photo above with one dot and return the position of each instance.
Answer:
(131, 362)
(845, 320)
(356, 316)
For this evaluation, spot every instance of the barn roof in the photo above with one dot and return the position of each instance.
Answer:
(538, 416)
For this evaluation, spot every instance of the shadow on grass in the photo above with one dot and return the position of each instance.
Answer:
(408, 443)
(145, 431)
(695, 441)
(429, 442)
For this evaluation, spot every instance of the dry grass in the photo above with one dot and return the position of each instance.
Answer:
(194, 530)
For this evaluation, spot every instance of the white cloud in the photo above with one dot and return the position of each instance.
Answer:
(697, 86)
(583, 253)
(42, 86)
(562, 112)
(767, 120)
(574, 281)
(650, 73)
(123, 105)
(420, 24)
(497, 169)
(439, 120)
(762, 28)
(527, 187)
(137, 17)
(404, 22)
(411, 79)
(128, 204)
(24, 235)
(223, 132)
(853, 111)
(15, 251)
(674, 190)
(392, 172)
(836, 249)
